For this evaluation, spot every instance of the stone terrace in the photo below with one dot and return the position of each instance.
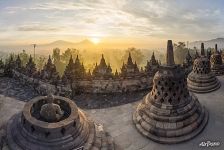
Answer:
(12, 88)
(118, 121)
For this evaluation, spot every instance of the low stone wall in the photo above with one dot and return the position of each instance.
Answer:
(88, 86)
(41, 87)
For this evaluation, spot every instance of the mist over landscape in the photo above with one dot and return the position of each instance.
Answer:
(114, 29)
(91, 53)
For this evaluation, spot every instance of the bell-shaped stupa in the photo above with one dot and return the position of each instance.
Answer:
(201, 79)
(217, 66)
(170, 113)
(55, 123)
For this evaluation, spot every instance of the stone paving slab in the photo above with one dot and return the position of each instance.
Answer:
(118, 122)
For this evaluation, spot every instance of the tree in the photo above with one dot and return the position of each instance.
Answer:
(24, 57)
(56, 56)
(40, 62)
(68, 53)
(180, 52)
(136, 54)
(9, 65)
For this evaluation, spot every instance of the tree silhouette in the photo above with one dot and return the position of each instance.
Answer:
(136, 54)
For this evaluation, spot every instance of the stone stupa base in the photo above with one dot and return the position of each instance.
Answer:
(202, 83)
(97, 138)
(25, 131)
(218, 70)
(190, 120)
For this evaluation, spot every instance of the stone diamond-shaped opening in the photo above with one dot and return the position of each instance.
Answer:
(170, 100)
(32, 128)
(161, 100)
(155, 97)
(74, 124)
(47, 134)
(63, 131)
(24, 121)
(162, 88)
(166, 94)
(152, 92)
(170, 89)
(174, 94)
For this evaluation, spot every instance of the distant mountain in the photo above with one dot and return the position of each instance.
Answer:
(46, 49)
(208, 43)
(59, 43)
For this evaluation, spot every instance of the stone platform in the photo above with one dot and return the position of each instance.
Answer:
(125, 135)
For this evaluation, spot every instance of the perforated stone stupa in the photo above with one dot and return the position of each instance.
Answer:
(170, 113)
(55, 123)
(201, 79)
(217, 66)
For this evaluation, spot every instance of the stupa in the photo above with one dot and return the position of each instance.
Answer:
(170, 113)
(217, 67)
(201, 79)
(55, 123)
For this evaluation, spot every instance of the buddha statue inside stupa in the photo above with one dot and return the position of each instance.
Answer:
(50, 111)
(55, 123)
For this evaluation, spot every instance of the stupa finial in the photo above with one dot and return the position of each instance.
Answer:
(169, 54)
(202, 49)
(216, 48)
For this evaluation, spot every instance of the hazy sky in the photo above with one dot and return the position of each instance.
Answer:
(142, 21)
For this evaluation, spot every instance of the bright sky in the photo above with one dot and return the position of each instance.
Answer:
(146, 22)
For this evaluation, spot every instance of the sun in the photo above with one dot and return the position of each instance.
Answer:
(95, 40)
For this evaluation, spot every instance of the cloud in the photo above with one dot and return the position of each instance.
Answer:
(37, 27)
(177, 19)
(121, 18)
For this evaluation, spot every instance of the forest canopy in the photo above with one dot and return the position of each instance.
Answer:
(113, 57)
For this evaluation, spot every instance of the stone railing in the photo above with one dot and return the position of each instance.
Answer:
(41, 87)
(87, 86)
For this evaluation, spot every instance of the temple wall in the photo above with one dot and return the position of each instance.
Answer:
(88, 86)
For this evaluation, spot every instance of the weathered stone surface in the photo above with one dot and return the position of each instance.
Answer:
(217, 66)
(120, 126)
(201, 79)
(170, 113)
(14, 88)
(26, 130)
(102, 86)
